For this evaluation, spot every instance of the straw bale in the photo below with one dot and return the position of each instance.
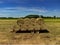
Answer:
(37, 27)
(26, 19)
(39, 21)
(23, 27)
(20, 21)
(30, 27)
(33, 19)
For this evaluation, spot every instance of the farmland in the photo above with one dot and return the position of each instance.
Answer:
(6, 25)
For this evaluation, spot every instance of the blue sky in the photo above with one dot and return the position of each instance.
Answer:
(19, 8)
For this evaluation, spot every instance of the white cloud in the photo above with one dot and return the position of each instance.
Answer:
(11, 9)
(38, 10)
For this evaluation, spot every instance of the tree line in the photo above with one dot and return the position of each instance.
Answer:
(32, 16)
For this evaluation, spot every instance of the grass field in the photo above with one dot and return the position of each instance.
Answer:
(53, 25)
(6, 25)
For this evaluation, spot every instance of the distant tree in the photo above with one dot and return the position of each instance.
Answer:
(32, 16)
(3, 17)
(10, 17)
(41, 16)
(54, 17)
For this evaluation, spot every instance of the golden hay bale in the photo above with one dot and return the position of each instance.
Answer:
(39, 21)
(30, 27)
(23, 27)
(37, 27)
(32, 19)
(27, 21)
(20, 21)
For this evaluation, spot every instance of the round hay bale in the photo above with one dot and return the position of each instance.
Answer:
(33, 19)
(37, 27)
(27, 21)
(20, 22)
(39, 21)
(30, 27)
(23, 27)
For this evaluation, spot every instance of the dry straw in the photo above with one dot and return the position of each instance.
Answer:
(20, 22)
(30, 24)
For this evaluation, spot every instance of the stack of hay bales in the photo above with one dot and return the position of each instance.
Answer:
(30, 24)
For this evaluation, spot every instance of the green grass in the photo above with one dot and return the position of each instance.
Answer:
(53, 25)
